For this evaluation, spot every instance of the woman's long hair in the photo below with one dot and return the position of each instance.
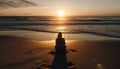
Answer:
(59, 35)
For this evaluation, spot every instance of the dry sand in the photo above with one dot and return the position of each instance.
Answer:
(19, 53)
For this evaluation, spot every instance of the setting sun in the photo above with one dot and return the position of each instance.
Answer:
(61, 13)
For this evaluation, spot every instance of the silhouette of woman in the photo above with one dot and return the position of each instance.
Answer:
(60, 43)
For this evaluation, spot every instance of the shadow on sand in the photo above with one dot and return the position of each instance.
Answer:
(60, 61)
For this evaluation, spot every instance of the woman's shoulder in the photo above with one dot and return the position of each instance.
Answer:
(60, 39)
(63, 39)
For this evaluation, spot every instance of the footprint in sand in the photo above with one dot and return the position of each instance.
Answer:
(71, 65)
(33, 51)
(43, 66)
(29, 52)
(47, 66)
(72, 50)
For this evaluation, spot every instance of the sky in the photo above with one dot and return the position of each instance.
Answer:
(51, 7)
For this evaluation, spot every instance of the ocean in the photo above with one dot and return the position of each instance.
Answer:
(106, 26)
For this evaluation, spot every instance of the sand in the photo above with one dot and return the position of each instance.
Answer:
(19, 53)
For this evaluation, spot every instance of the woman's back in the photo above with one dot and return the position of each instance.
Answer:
(60, 43)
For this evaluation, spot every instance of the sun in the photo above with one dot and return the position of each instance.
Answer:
(60, 13)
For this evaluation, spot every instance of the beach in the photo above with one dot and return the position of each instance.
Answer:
(59, 34)
(21, 53)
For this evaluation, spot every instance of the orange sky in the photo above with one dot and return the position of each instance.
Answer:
(70, 7)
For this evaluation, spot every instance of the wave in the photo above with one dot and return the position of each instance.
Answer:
(105, 26)
(69, 32)
(35, 24)
(52, 18)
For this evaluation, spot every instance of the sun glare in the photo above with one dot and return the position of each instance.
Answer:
(60, 13)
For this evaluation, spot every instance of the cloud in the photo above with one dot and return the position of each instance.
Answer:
(5, 4)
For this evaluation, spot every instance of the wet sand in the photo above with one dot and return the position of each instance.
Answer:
(19, 53)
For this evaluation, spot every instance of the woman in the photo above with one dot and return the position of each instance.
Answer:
(60, 43)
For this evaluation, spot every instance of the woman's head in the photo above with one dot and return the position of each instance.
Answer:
(59, 35)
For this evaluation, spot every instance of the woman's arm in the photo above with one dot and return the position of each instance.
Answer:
(63, 41)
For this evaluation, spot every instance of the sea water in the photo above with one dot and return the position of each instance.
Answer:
(80, 27)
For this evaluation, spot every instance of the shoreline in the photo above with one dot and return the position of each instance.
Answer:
(35, 35)
(79, 32)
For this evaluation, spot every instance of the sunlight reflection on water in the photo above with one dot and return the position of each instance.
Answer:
(61, 28)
